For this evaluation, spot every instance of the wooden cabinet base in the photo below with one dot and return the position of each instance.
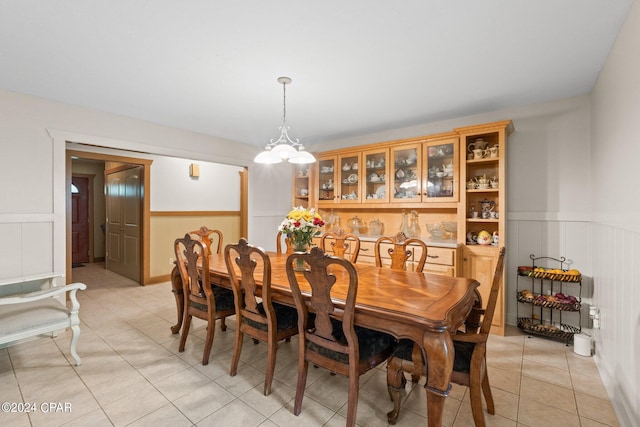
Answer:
(479, 262)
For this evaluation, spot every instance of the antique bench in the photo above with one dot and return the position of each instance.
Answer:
(27, 313)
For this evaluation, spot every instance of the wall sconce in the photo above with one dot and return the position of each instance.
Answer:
(194, 170)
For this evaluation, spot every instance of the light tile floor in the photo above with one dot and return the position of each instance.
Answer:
(133, 375)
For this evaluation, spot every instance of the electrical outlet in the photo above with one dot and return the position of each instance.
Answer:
(171, 261)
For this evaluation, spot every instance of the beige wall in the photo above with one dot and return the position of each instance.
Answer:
(166, 227)
(34, 133)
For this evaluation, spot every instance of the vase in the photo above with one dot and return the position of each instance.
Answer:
(300, 247)
(404, 226)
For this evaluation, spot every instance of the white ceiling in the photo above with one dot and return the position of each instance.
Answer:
(357, 66)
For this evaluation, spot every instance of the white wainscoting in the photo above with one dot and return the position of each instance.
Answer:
(609, 259)
(616, 272)
(27, 247)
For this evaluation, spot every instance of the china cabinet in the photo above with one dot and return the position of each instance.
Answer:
(406, 173)
(549, 299)
(426, 172)
(327, 177)
(339, 179)
(376, 162)
(302, 191)
(479, 262)
(482, 208)
(456, 178)
(440, 170)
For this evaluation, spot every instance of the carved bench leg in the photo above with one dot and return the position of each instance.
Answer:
(75, 330)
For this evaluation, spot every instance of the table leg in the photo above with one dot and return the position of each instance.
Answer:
(176, 288)
(439, 353)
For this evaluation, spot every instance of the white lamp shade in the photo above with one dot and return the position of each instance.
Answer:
(285, 151)
(302, 157)
(268, 157)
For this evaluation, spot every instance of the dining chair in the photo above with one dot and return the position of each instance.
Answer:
(469, 365)
(204, 234)
(399, 252)
(328, 337)
(257, 315)
(201, 299)
(279, 238)
(339, 244)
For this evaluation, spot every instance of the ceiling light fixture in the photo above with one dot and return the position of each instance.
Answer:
(284, 148)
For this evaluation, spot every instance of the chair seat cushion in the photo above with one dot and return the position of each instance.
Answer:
(370, 343)
(223, 297)
(461, 361)
(286, 317)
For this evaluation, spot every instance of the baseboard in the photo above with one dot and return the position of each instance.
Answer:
(158, 279)
(623, 409)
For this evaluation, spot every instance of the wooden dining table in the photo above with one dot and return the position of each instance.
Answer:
(425, 308)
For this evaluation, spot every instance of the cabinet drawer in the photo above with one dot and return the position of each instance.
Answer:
(439, 269)
(442, 256)
(367, 251)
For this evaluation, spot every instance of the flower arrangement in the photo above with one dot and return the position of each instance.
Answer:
(301, 225)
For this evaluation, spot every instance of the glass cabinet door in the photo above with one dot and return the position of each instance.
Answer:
(406, 174)
(376, 164)
(327, 180)
(349, 177)
(441, 171)
(301, 191)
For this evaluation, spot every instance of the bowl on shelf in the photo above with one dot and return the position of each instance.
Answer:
(436, 231)
(524, 270)
(451, 227)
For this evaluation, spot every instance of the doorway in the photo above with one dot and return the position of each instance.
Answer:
(81, 219)
(112, 162)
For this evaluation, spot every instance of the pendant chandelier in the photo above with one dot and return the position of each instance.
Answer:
(284, 148)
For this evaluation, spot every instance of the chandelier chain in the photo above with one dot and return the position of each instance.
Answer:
(284, 148)
(284, 104)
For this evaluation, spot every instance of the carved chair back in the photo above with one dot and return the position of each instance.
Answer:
(204, 234)
(245, 263)
(196, 286)
(279, 238)
(400, 252)
(339, 244)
